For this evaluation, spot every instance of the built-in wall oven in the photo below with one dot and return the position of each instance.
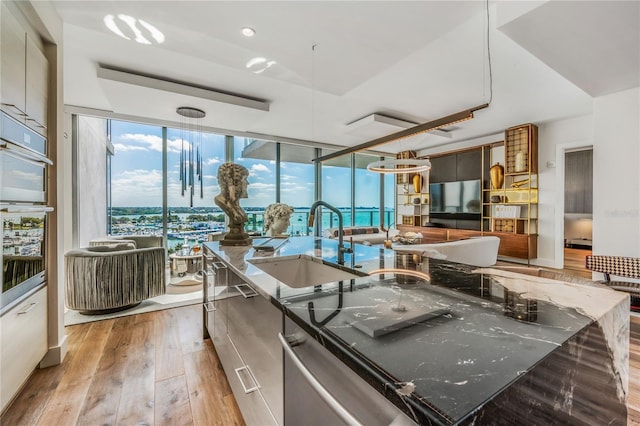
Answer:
(23, 209)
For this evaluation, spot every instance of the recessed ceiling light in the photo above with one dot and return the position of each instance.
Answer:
(248, 32)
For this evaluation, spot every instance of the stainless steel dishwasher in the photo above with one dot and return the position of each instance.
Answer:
(319, 390)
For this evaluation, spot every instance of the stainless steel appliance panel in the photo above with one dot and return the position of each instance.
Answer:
(23, 180)
(23, 247)
(23, 163)
(320, 390)
(19, 134)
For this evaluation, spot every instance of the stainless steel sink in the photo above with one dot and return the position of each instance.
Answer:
(300, 271)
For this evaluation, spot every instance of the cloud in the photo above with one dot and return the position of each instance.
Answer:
(175, 145)
(137, 188)
(258, 185)
(212, 161)
(152, 142)
(293, 187)
(118, 147)
(259, 168)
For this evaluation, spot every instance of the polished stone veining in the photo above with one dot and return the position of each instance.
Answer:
(467, 345)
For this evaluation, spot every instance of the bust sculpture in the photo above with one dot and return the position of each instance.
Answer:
(232, 179)
(276, 218)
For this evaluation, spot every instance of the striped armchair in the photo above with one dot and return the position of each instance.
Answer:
(105, 279)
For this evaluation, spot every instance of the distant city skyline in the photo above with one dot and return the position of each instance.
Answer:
(136, 173)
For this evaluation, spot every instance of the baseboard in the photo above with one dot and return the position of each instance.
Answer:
(55, 355)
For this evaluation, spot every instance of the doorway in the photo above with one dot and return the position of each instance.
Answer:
(578, 207)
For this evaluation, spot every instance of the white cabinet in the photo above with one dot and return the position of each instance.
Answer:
(12, 39)
(36, 88)
(23, 343)
(24, 74)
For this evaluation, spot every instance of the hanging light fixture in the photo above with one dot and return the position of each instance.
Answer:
(191, 150)
(417, 165)
(399, 166)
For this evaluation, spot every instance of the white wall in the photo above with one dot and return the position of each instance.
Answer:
(616, 174)
(554, 138)
(578, 227)
(614, 132)
(91, 176)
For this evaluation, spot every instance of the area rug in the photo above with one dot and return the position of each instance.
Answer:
(175, 297)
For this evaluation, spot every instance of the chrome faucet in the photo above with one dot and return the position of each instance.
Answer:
(341, 248)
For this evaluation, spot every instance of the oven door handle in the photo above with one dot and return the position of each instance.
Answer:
(26, 209)
(322, 392)
(25, 154)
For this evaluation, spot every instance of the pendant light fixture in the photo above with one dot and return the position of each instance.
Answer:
(399, 166)
(191, 151)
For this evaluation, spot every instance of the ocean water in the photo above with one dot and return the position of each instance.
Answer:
(298, 226)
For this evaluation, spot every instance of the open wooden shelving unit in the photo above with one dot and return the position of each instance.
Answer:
(513, 217)
(511, 211)
(412, 207)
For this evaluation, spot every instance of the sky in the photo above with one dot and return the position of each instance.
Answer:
(136, 172)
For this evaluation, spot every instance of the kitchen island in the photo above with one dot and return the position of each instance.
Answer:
(446, 343)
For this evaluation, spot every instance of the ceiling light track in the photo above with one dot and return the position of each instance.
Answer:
(420, 128)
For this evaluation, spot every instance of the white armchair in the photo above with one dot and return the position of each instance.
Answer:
(479, 251)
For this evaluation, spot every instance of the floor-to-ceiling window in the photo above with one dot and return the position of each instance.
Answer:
(336, 190)
(136, 179)
(262, 179)
(297, 184)
(192, 165)
(348, 185)
(278, 172)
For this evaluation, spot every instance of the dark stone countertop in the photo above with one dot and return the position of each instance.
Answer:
(437, 348)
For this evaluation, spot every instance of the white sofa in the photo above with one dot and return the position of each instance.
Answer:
(367, 235)
(478, 251)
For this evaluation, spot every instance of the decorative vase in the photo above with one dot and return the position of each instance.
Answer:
(496, 173)
(417, 183)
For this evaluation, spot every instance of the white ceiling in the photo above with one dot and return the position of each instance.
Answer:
(416, 61)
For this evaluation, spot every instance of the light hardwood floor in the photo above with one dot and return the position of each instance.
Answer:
(155, 369)
(147, 369)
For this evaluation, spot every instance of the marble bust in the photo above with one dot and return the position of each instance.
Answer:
(232, 179)
(276, 218)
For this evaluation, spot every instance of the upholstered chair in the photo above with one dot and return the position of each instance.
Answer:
(140, 241)
(104, 279)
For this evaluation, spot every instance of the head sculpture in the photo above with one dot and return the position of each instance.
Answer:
(276, 218)
(232, 179)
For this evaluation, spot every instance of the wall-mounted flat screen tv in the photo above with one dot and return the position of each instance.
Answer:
(455, 197)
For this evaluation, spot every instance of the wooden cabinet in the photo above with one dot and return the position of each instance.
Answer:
(521, 150)
(520, 246)
(23, 343)
(24, 75)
